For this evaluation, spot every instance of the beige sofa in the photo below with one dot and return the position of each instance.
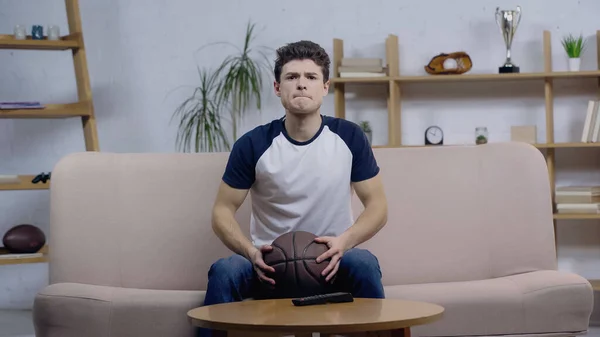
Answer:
(470, 228)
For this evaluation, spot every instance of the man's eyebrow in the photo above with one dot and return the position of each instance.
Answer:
(296, 73)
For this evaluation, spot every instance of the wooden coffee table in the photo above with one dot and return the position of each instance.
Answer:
(281, 317)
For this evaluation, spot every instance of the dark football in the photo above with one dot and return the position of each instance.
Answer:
(24, 239)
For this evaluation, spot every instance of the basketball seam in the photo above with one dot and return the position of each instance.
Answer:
(295, 265)
(310, 272)
(289, 260)
(284, 256)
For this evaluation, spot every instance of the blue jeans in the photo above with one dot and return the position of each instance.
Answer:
(233, 279)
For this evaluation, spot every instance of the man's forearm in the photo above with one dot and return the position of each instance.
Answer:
(371, 220)
(228, 230)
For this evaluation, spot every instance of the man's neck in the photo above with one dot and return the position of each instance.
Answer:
(302, 127)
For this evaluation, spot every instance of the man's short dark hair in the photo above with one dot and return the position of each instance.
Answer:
(302, 50)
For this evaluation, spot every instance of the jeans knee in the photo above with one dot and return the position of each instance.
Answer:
(361, 261)
(228, 267)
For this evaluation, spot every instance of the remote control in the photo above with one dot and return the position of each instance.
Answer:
(340, 297)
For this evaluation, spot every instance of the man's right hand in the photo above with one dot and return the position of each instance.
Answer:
(260, 267)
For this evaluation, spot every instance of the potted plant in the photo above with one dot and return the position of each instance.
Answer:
(366, 127)
(230, 89)
(574, 46)
(200, 127)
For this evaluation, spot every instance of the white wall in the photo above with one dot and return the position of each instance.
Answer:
(139, 51)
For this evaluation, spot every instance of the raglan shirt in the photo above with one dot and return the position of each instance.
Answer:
(300, 186)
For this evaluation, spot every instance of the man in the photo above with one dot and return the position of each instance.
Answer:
(301, 170)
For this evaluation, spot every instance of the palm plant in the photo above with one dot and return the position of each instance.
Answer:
(228, 89)
(200, 119)
(242, 79)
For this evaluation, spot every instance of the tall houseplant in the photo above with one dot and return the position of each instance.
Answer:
(230, 89)
(200, 118)
(573, 47)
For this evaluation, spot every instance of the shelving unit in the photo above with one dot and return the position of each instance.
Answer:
(83, 108)
(395, 81)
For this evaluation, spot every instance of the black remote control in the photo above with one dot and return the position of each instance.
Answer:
(339, 297)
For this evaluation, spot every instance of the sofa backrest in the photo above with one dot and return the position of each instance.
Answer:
(460, 213)
(455, 213)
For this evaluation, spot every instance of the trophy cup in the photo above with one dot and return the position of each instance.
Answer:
(508, 21)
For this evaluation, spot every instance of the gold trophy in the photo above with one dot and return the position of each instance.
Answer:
(508, 21)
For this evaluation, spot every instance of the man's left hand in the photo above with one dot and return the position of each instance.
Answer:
(337, 248)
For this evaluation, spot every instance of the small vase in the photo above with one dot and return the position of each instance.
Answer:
(481, 135)
(574, 63)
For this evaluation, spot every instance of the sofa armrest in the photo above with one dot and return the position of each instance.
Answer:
(75, 310)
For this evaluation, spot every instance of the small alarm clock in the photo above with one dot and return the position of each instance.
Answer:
(434, 136)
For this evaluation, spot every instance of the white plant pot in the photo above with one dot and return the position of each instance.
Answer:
(574, 64)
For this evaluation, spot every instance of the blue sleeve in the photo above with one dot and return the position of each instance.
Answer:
(239, 172)
(364, 164)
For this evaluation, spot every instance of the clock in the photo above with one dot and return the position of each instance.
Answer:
(434, 136)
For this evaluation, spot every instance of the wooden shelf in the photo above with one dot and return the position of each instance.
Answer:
(25, 184)
(595, 284)
(498, 77)
(538, 145)
(66, 42)
(361, 80)
(79, 109)
(565, 145)
(576, 216)
(23, 260)
(471, 77)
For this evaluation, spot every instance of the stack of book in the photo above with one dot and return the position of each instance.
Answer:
(578, 199)
(20, 105)
(591, 126)
(362, 67)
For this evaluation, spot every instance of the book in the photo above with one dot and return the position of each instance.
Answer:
(577, 195)
(592, 208)
(20, 105)
(362, 74)
(361, 62)
(366, 69)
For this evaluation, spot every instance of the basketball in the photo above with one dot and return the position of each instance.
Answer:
(297, 273)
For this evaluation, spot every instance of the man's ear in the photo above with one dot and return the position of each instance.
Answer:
(276, 88)
(326, 86)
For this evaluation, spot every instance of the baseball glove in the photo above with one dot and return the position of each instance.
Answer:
(436, 65)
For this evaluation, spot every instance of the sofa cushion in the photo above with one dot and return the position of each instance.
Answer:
(529, 303)
(75, 310)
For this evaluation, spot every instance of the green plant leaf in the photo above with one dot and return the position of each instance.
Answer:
(199, 119)
(574, 46)
(229, 89)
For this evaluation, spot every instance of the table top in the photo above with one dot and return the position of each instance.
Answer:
(281, 315)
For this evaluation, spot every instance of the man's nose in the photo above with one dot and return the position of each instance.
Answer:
(301, 85)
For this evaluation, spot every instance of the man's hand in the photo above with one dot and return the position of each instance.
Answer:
(337, 248)
(256, 257)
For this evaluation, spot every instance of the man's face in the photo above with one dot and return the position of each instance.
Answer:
(301, 87)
